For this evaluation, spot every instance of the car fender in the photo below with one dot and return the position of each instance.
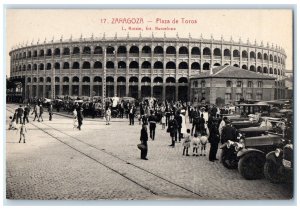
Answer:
(249, 150)
(271, 156)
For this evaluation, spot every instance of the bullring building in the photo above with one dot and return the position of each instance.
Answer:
(136, 67)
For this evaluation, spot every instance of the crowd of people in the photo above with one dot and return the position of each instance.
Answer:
(176, 118)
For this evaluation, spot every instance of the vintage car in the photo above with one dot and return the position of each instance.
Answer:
(279, 164)
(248, 154)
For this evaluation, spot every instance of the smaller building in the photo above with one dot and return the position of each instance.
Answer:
(229, 84)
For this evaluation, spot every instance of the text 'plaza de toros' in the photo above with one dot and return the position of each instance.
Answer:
(137, 67)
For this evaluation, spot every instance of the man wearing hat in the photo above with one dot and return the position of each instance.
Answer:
(228, 132)
(152, 125)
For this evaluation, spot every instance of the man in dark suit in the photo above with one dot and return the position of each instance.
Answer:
(144, 139)
(152, 125)
(228, 132)
(214, 139)
(131, 115)
(179, 123)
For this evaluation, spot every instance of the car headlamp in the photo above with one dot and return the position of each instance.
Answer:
(277, 152)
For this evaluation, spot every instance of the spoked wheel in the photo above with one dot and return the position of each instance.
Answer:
(251, 166)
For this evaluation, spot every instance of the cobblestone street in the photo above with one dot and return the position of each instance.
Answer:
(103, 162)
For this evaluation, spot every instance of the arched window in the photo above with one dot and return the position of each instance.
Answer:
(158, 50)
(195, 65)
(41, 79)
(158, 80)
(34, 67)
(259, 55)
(170, 80)
(244, 67)
(121, 50)
(206, 66)
(66, 79)
(236, 65)
(275, 58)
(146, 49)
(110, 65)
(195, 51)
(158, 65)
(28, 79)
(183, 65)
(171, 50)
(75, 79)
(34, 54)
(217, 64)
(28, 67)
(183, 50)
(244, 54)
(48, 66)
(271, 57)
(134, 49)
(146, 79)
(227, 53)
(122, 65)
(259, 69)
(271, 70)
(41, 66)
(49, 52)
(266, 56)
(57, 79)
(134, 65)
(182, 80)
(86, 65)
(66, 65)
(252, 55)
(98, 50)
(217, 52)
(121, 79)
(236, 53)
(97, 65)
(97, 79)
(76, 51)
(75, 65)
(146, 65)
(48, 79)
(170, 65)
(206, 51)
(133, 79)
(66, 51)
(110, 50)
(57, 65)
(41, 53)
(34, 79)
(86, 50)
(86, 79)
(57, 52)
(265, 70)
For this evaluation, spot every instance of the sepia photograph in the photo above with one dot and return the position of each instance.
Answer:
(149, 104)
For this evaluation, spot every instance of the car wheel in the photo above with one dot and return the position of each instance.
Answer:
(271, 172)
(251, 166)
(226, 160)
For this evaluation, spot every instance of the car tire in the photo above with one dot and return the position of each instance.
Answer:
(224, 160)
(251, 166)
(271, 172)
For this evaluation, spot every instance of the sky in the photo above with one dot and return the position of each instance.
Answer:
(32, 25)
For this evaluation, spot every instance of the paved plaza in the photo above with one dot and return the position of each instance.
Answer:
(103, 162)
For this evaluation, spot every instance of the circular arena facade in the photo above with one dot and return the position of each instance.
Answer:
(135, 67)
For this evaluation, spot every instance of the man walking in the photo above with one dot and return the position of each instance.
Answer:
(152, 125)
(26, 113)
(50, 111)
(36, 111)
(79, 117)
(41, 112)
(131, 115)
(20, 113)
(178, 118)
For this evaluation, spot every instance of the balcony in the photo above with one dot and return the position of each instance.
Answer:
(170, 71)
(158, 55)
(121, 55)
(146, 55)
(133, 71)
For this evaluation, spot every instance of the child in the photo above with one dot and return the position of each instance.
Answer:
(163, 122)
(186, 142)
(22, 132)
(203, 141)
(12, 124)
(195, 143)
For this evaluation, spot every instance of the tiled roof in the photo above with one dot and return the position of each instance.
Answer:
(231, 72)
